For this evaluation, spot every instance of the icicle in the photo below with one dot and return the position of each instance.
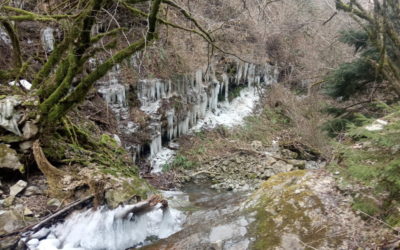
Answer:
(5, 37)
(155, 146)
(246, 70)
(251, 74)
(239, 73)
(114, 94)
(48, 40)
(225, 79)
(105, 229)
(183, 126)
(170, 120)
(213, 100)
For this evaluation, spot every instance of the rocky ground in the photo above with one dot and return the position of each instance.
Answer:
(246, 168)
(297, 204)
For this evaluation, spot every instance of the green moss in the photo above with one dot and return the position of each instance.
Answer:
(130, 189)
(279, 210)
(11, 138)
(108, 141)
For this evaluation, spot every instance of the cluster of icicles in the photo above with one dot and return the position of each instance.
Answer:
(203, 101)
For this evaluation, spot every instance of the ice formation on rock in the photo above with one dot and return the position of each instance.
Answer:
(48, 39)
(175, 107)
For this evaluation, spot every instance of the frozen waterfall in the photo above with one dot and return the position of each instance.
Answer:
(103, 229)
(189, 102)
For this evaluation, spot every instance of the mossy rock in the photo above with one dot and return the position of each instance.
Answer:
(9, 159)
(131, 191)
(288, 214)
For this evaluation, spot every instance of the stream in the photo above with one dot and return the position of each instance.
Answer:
(197, 218)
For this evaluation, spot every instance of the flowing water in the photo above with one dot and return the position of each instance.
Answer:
(197, 217)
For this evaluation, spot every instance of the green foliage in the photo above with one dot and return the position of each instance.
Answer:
(180, 161)
(350, 78)
(353, 77)
(336, 126)
(345, 119)
(356, 38)
(391, 178)
(376, 162)
(366, 205)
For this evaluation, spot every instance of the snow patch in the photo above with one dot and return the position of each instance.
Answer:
(24, 83)
(377, 125)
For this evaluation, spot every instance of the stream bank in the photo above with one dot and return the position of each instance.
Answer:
(227, 213)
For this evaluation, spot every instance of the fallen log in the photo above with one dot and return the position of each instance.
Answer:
(141, 207)
(61, 212)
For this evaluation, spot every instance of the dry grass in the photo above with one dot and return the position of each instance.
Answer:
(209, 145)
(305, 116)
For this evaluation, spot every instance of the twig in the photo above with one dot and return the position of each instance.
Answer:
(384, 223)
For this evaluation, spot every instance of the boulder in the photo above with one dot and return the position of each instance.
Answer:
(281, 167)
(9, 159)
(303, 210)
(18, 187)
(269, 161)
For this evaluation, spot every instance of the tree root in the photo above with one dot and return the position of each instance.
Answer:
(52, 174)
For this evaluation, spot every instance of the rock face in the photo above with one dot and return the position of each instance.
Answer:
(169, 108)
(302, 210)
(9, 158)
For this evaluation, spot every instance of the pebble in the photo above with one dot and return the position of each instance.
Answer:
(32, 190)
(54, 203)
(28, 212)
